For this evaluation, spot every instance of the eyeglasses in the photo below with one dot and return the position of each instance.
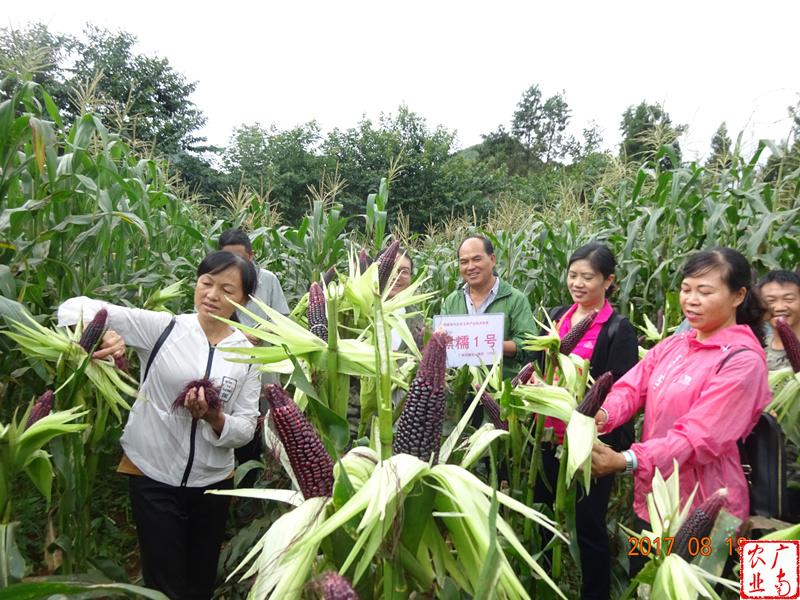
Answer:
(404, 272)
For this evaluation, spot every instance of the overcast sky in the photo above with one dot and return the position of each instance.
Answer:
(463, 64)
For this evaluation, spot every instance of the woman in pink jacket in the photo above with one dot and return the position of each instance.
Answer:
(701, 390)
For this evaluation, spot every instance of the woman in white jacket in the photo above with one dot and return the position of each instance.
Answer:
(173, 455)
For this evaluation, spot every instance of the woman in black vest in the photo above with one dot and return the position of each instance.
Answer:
(609, 345)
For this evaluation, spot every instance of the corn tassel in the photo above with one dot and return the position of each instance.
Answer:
(317, 320)
(419, 428)
(311, 463)
(576, 333)
(94, 331)
(596, 395)
(790, 343)
(699, 524)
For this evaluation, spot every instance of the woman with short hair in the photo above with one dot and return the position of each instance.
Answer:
(174, 454)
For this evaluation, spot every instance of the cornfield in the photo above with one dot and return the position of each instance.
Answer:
(82, 212)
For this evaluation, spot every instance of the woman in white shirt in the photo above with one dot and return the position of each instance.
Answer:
(173, 455)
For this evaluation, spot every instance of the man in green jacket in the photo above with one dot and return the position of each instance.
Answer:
(484, 292)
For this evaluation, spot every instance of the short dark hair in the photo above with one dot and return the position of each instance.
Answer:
(221, 259)
(487, 244)
(600, 257)
(780, 276)
(234, 237)
(737, 274)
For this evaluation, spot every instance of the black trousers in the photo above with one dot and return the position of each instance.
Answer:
(590, 515)
(180, 533)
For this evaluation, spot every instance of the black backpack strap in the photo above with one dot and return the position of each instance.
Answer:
(613, 325)
(557, 312)
(728, 357)
(159, 342)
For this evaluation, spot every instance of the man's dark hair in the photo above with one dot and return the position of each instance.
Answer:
(234, 237)
(782, 277)
(487, 244)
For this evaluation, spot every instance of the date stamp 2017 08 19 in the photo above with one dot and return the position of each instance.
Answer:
(646, 546)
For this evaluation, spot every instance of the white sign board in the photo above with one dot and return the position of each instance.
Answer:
(474, 339)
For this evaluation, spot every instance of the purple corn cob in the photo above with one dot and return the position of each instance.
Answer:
(596, 395)
(699, 524)
(211, 393)
(659, 319)
(335, 587)
(364, 261)
(419, 428)
(329, 275)
(317, 320)
(311, 463)
(41, 408)
(524, 375)
(492, 409)
(121, 362)
(386, 264)
(94, 331)
(790, 343)
(576, 333)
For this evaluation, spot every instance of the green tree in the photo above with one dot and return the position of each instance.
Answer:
(540, 126)
(592, 139)
(502, 149)
(33, 54)
(279, 163)
(721, 143)
(645, 128)
(100, 72)
(433, 182)
(149, 95)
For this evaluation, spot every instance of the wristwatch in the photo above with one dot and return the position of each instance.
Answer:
(630, 462)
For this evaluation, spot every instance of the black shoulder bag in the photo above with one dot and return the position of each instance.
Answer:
(763, 458)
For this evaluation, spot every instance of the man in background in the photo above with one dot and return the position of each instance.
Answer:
(269, 289)
(270, 292)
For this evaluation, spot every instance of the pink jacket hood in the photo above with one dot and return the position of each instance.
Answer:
(699, 399)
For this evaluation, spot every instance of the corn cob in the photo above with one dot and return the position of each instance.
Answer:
(419, 428)
(210, 390)
(524, 375)
(121, 362)
(317, 321)
(386, 264)
(596, 395)
(660, 320)
(699, 524)
(94, 331)
(790, 343)
(364, 261)
(311, 463)
(492, 409)
(335, 587)
(329, 275)
(41, 408)
(576, 333)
